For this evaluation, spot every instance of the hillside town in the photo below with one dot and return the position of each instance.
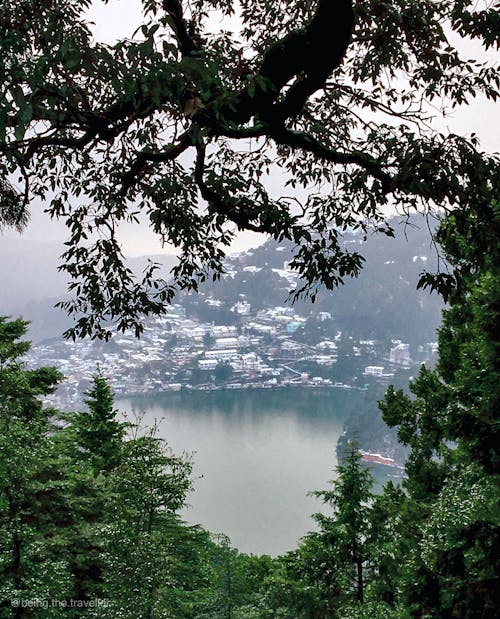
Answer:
(264, 349)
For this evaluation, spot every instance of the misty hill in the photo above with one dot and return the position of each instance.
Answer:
(382, 303)
(31, 284)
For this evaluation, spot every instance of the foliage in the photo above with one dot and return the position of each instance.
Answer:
(34, 487)
(223, 372)
(144, 494)
(97, 432)
(88, 514)
(427, 547)
(448, 524)
(327, 572)
(87, 511)
(347, 531)
(185, 122)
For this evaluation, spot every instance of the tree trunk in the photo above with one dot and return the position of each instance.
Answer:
(360, 590)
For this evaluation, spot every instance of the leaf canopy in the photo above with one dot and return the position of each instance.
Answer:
(189, 122)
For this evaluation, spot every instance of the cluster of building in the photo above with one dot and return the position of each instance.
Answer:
(263, 350)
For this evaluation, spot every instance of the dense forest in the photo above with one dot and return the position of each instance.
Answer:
(89, 505)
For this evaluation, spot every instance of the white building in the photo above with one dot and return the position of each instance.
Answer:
(223, 331)
(327, 345)
(325, 359)
(374, 370)
(226, 342)
(194, 332)
(400, 354)
(242, 307)
(221, 355)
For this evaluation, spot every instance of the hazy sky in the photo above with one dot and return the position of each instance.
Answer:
(119, 18)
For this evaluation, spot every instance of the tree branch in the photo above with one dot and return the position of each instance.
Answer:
(218, 201)
(170, 152)
(187, 44)
(297, 139)
(52, 140)
(311, 54)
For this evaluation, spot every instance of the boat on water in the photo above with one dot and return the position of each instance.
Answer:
(368, 456)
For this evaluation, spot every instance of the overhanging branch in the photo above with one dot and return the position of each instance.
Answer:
(297, 139)
(309, 54)
(218, 201)
(169, 153)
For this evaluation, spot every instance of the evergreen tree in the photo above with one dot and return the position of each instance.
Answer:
(143, 535)
(98, 434)
(35, 500)
(347, 530)
(86, 515)
(328, 571)
(93, 442)
(448, 523)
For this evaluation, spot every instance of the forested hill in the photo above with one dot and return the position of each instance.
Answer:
(382, 303)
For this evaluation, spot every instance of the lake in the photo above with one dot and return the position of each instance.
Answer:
(256, 456)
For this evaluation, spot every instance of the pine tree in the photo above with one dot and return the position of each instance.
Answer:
(350, 497)
(336, 557)
(448, 524)
(35, 505)
(98, 434)
(92, 441)
(84, 513)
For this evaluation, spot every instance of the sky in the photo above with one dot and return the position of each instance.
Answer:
(119, 18)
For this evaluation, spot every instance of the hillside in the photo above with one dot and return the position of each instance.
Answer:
(372, 331)
(31, 283)
(383, 302)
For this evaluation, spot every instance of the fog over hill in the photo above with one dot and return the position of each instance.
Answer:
(28, 271)
(31, 284)
(382, 303)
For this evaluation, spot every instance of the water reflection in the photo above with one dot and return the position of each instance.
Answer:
(256, 456)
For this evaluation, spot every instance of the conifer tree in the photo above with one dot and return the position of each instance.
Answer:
(98, 433)
(349, 526)
(448, 525)
(35, 506)
(333, 561)
(144, 536)
(93, 442)
(86, 515)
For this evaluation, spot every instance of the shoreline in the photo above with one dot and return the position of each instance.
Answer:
(223, 388)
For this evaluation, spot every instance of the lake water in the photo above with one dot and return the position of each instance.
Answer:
(256, 456)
